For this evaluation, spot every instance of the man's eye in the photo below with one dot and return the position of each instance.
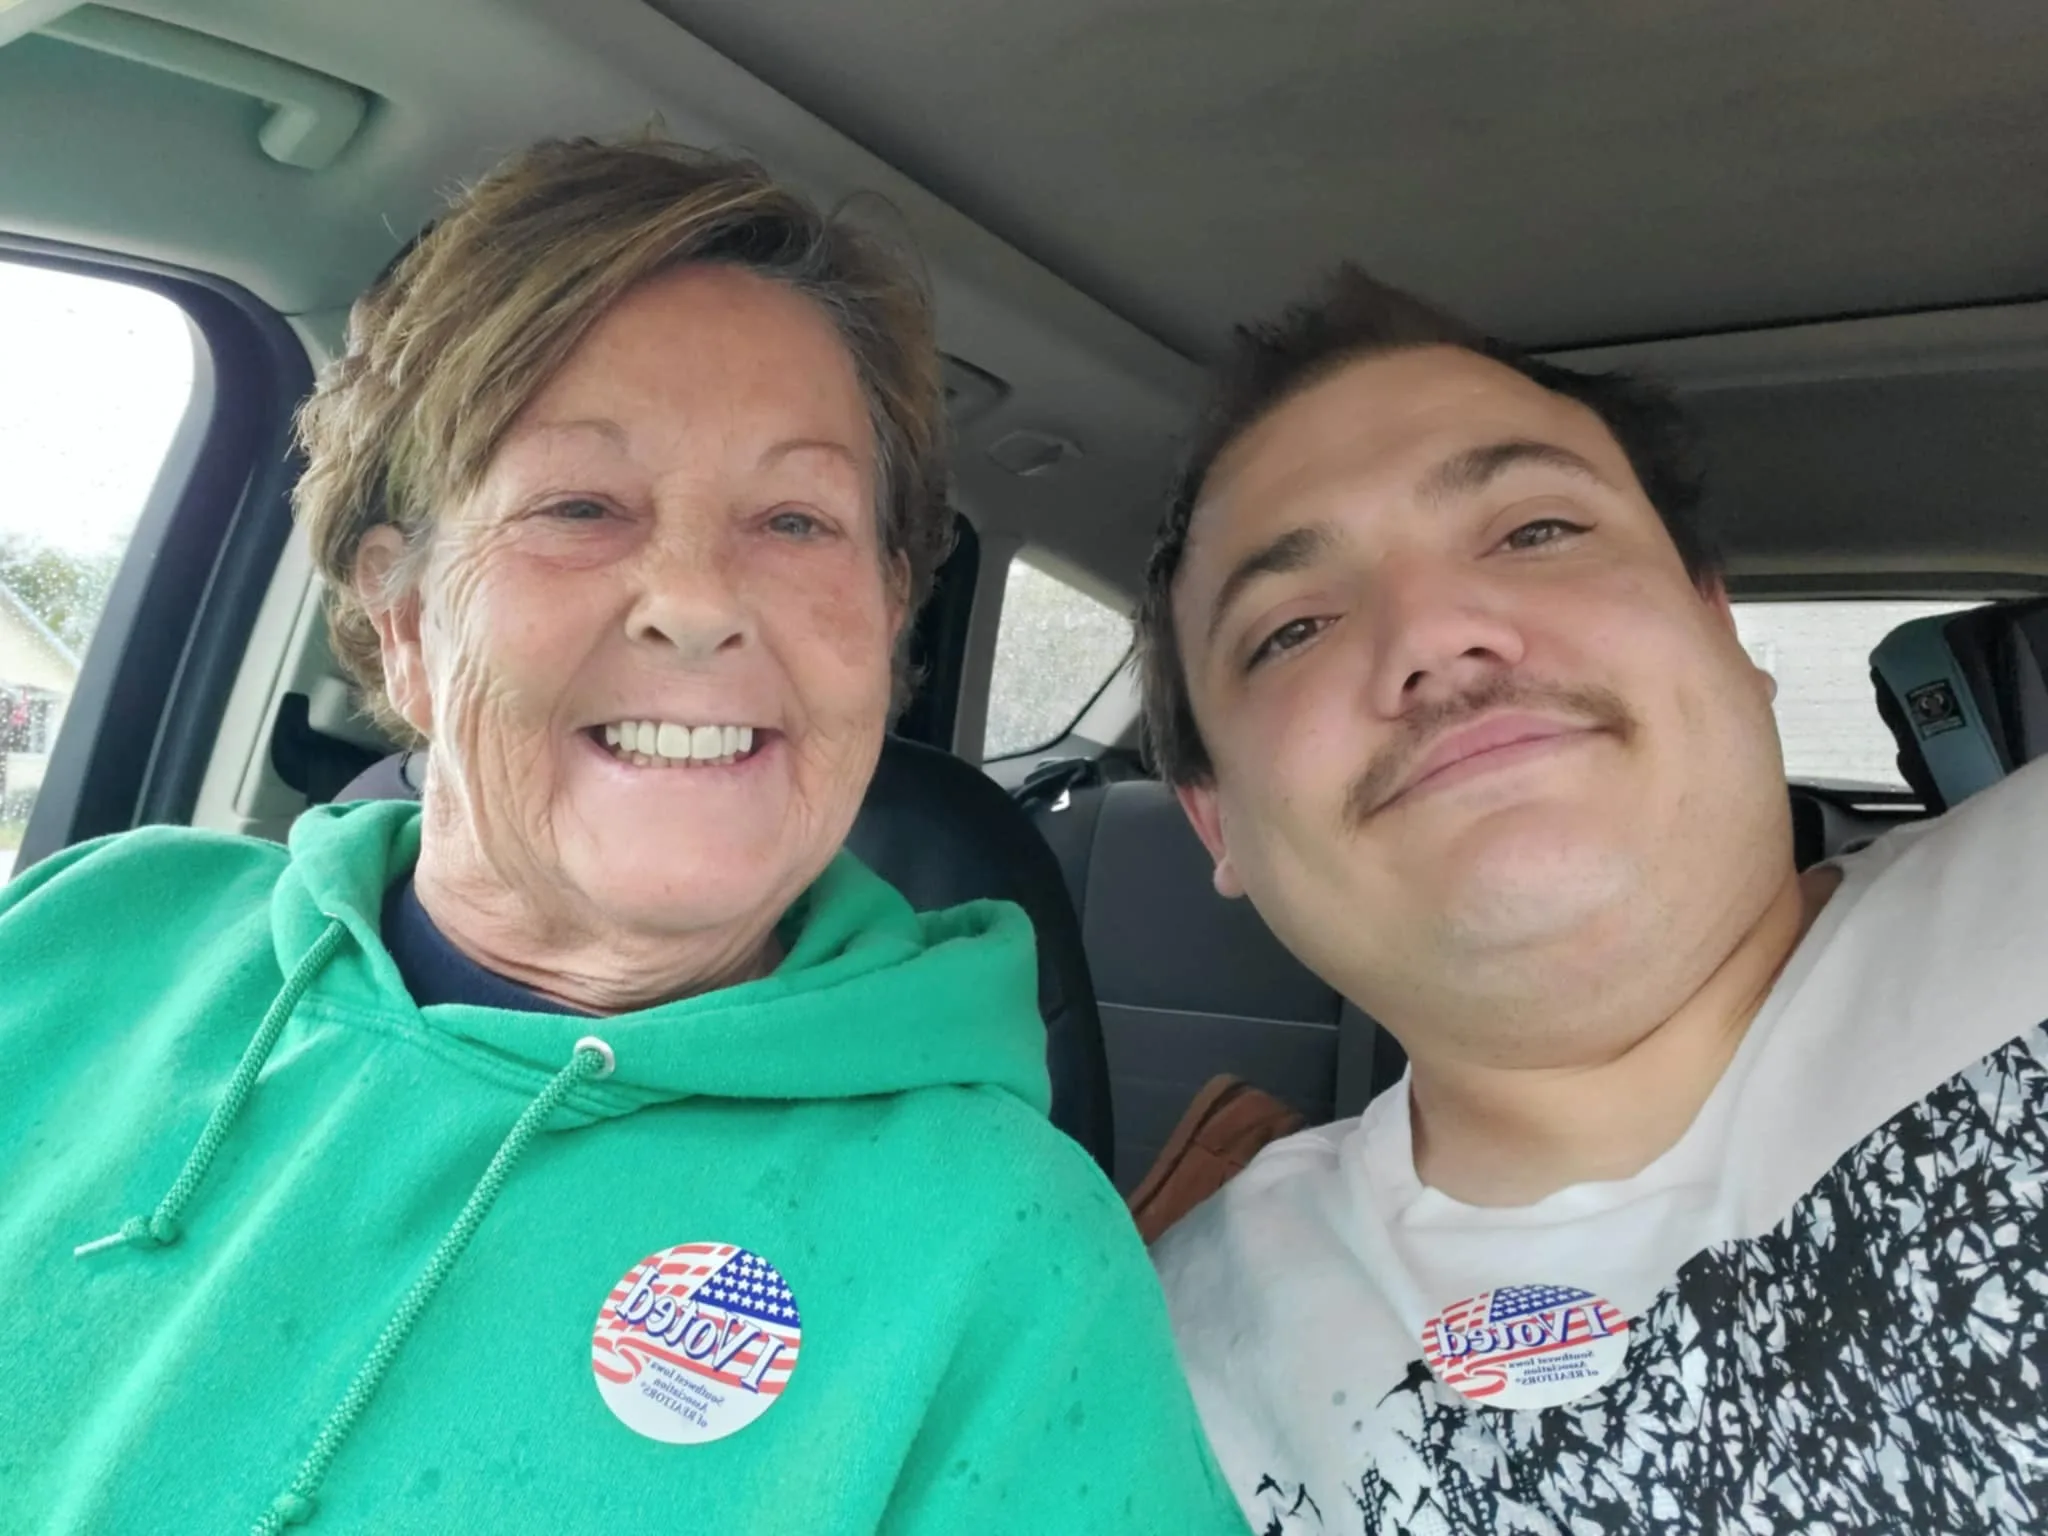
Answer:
(1545, 530)
(1289, 635)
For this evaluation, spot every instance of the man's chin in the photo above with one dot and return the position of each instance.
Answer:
(1527, 891)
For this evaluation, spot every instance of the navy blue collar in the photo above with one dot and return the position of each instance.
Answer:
(435, 971)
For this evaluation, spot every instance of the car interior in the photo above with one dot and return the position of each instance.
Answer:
(1825, 225)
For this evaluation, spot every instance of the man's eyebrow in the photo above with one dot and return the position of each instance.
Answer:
(1471, 471)
(1294, 550)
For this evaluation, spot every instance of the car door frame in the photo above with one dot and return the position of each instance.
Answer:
(156, 675)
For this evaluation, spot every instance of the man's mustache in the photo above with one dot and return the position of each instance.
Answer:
(1599, 708)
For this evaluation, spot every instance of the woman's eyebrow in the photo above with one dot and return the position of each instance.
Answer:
(782, 450)
(603, 426)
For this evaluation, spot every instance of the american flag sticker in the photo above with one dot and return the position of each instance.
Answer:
(1526, 1346)
(695, 1342)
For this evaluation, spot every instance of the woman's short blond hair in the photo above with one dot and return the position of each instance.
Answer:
(471, 324)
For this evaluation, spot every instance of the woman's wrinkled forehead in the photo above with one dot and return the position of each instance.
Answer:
(703, 359)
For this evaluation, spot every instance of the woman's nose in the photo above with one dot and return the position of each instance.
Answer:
(689, 603)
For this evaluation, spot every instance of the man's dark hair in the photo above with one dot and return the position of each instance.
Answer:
(1353, 318)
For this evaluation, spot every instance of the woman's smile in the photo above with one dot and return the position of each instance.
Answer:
(739, 754)
(667, 744)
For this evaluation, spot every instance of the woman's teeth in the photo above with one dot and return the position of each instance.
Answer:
(664, 744)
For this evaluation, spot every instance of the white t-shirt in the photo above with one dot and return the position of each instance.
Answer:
(1824, 1309)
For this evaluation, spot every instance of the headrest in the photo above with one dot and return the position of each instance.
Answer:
(1160, 937)
(1966, 696)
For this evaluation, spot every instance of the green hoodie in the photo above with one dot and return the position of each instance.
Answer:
(811, 1259)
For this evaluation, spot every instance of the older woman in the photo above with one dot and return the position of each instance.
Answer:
(594, 1145)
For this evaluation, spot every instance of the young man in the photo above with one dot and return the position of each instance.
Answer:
(1714, 1197)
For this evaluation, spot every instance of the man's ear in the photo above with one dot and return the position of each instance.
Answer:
(397, 622)
(1714, 592)
(1206, 814)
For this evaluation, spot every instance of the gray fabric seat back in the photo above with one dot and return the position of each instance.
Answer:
(1189, 984)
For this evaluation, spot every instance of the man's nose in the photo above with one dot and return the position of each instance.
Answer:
(1439, 630)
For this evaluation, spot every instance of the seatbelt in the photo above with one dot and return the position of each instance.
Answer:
(1052, 781)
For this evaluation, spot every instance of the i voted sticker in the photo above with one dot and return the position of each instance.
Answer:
(1526, 1346)
(696, 1342)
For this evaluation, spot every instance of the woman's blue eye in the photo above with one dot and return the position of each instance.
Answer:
(579, 510)
(796, 525)
(1293, 633)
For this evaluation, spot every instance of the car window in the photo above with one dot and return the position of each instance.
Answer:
(1055, 648)
(1819, 651)
(95, 376)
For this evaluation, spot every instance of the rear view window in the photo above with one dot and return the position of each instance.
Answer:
(1827, 712)
(1055, 648)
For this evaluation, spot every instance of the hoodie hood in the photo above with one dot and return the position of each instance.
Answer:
(361, 1260)
(871, 997)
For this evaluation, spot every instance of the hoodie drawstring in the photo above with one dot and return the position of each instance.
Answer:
(160, 1227)
(592, 1060)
